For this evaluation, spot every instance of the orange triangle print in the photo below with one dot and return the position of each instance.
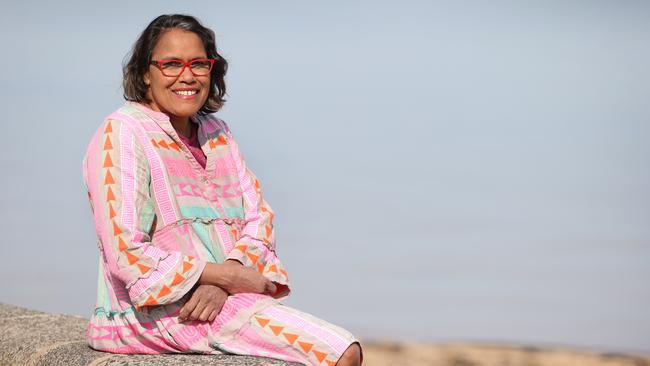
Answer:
(111, 211)
(108, 179)
(186, 266)
(109, 195)
(257, 184)
(221, 140)
(153, 142)
(269, 230)
(260, 268)
(122, 245)
(109, 127)
(174, 146)
(305, 346)
(290, 337)
(164, 291)
(273, 268)
(177, 279)
(151, 301)
(330, 363)
(242, 248)
(263, 322)
(144, 269)
(132, 259)
(107, 144)
(163, 143)
(212, 144)
(252, 257)
(108, 163)
(276, 329)
(116, 229)
(319, 355)
(190, 258)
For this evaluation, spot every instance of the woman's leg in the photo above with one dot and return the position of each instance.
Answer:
(285, 333)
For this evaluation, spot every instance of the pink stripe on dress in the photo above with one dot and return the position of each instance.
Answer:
(249, 193)
(249, 342)
(127, 173)
(158, 178)
(95, 155)
(224, 236)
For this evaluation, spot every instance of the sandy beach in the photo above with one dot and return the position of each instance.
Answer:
(418, 354)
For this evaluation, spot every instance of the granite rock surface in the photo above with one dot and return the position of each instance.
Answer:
(29, 337)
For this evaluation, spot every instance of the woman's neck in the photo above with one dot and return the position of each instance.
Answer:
(182, 126)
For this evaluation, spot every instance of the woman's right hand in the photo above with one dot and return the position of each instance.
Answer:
(236, 278)
(246, 279)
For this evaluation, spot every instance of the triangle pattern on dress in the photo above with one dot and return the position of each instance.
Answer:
(107, 144)
(144, 269)
(132, 258)
(263, 322)
(164, 291)
(177, 279)
(276, 329)
(108, 162)
(319, 355)
(305, 346)
(290, 337)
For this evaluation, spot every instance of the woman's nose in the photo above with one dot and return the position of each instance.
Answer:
(186, 75)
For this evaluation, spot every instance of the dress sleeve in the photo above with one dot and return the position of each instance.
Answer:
(117, 177)
(256, 244)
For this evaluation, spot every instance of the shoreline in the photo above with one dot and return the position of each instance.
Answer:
(384, 353)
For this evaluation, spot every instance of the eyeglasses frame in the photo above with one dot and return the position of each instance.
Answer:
(160, 64)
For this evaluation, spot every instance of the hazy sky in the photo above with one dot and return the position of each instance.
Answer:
(463, 170)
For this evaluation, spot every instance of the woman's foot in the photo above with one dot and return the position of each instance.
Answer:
(351, 356)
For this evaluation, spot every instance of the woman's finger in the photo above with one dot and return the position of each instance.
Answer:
(206, 312)
(271, 289)
(213, 315)
(198, 310)
(189, 306)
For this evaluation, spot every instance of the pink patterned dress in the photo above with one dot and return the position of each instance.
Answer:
(160, 217)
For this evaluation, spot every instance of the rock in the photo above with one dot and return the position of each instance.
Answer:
(30, 337)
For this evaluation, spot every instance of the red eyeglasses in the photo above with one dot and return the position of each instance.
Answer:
(198, 67)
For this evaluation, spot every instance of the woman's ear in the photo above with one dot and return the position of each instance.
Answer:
(146, 78)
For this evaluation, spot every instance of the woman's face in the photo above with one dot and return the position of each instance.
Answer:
(181, 96)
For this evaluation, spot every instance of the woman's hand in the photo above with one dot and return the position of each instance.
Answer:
(246, 279)
(205, 304)
(236, 278)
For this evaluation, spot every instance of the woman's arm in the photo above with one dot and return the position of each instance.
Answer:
(117, 177)
(235, 278)
(216, 281)
(256, 245)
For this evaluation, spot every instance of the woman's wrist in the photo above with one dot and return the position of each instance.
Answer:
(217, 274)
(233, 262)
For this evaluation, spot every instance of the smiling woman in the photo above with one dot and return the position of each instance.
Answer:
(186, 240)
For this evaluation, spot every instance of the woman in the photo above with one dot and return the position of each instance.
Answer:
(187, 248)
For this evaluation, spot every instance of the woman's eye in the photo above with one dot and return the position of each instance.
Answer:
(172, 64)
(201, 64)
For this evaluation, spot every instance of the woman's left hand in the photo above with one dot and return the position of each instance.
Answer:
(205, 304)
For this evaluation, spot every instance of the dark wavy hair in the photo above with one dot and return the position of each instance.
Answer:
(133, 71)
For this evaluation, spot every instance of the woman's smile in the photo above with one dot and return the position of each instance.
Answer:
(186, 93)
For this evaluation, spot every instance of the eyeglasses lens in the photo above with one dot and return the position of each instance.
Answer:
(175, 68)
